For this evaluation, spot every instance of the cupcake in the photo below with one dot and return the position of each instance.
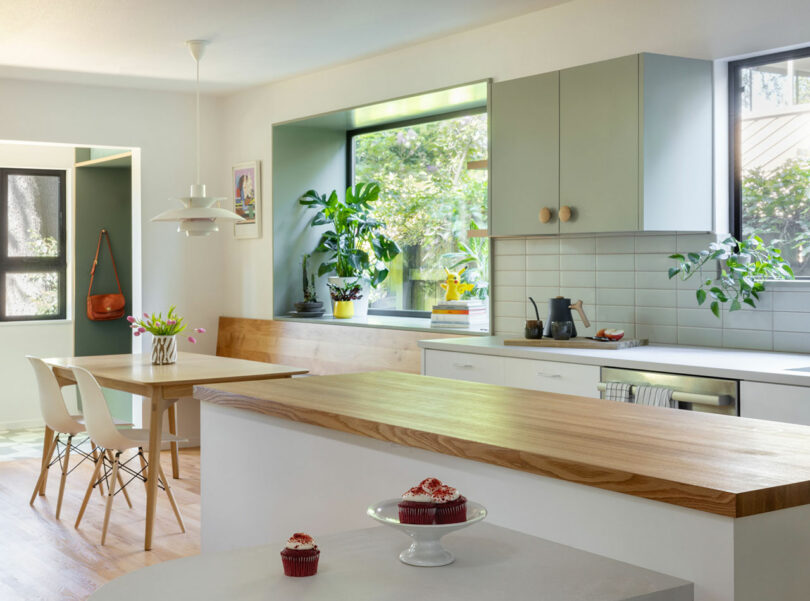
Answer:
(300, 555)
(451, 507)
(417, 507)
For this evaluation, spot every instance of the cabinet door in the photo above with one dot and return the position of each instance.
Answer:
(524, 163)
(471, 367)
(599, 146)
(775, 402)
(551, 376)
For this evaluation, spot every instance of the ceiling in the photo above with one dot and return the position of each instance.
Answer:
(141, 42)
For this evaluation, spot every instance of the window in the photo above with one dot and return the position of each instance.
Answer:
(769, 100)
(32, 244)
(432, 194)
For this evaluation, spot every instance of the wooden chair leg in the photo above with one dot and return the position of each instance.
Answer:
(121, 483)
(65, 470)
(172, 411)
(171, 499)
(46, 457)
(43, 472)
(89, 491)
(143, 464)
(110, 496)
(96, 458)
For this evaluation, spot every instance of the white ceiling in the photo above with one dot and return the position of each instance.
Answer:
(141, 42)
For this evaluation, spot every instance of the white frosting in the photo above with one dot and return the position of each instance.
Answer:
(300, 545)
(417, 495)
(430, 484)
(445, 494)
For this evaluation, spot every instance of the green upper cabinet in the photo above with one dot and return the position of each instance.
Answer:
(629, 140)
(525, 122)
(599, 146)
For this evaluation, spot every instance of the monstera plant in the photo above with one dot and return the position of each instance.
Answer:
(354, 243)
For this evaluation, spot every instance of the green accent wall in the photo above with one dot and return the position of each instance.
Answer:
(304, 158)
(103, 200)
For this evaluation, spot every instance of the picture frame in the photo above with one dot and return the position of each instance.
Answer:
(246, 187)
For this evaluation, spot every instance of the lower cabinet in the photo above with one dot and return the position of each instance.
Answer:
(549, 376)
(775, 402)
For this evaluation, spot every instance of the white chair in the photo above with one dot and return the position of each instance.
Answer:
(105, 435)
(57, 418)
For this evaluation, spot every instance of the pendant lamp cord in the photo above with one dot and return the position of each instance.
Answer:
(197, 62)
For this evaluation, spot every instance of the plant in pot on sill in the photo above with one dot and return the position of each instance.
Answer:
(311, 306)
(744, 267)
(164, 334)
(344, 297)
(356, 248)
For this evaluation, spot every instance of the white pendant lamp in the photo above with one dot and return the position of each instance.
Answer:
(199, 216)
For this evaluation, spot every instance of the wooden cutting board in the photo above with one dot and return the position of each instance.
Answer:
(579, 343)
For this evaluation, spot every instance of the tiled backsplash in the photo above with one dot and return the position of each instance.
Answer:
(623, 283)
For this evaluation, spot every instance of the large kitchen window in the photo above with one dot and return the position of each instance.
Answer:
(433, 179)
(32, 244)
(770, 152)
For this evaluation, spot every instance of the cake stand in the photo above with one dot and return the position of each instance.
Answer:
(426, 550)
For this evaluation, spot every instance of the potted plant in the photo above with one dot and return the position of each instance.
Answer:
(164, 334)
(744, 268)
(311, 304)
(473, 257)
(344, 297)
(355, 246)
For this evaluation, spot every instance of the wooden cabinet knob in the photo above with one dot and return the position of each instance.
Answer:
(545, 215)
(565, 213)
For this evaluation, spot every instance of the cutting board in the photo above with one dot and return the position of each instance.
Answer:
(578, 343)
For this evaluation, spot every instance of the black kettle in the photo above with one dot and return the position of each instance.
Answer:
(559, 313)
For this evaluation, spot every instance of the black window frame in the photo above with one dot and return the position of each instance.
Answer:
(350, 135)
(735, 130)
(10, 265)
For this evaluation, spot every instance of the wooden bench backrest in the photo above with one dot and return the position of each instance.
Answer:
(322, 348)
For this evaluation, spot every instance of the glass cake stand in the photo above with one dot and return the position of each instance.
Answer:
(426, 549)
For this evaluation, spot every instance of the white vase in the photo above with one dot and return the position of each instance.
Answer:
(361, 304)
(164, 350)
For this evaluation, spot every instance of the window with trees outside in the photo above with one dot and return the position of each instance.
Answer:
(32, 239)
(770, 152)
(433, 195)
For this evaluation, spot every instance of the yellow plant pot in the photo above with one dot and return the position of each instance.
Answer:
(344, 309)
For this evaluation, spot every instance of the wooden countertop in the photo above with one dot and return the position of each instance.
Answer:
(726, 465)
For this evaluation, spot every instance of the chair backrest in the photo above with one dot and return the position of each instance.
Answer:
(97, 418)
(51, 401)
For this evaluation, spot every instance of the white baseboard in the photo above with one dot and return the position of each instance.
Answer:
(22, 424)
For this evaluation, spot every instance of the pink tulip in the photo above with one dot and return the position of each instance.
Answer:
(136, 333)
(146, 315)
(200, 330)
(192, 340)
(131, 319)
(171, 322)
(141, 329)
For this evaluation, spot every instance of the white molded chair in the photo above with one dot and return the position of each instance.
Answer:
(105, 435)
(57, 418)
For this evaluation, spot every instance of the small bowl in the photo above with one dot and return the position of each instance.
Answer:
(534, 329)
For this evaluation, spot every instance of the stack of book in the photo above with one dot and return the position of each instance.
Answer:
(469, 314)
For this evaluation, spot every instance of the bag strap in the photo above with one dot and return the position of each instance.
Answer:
(101, 235)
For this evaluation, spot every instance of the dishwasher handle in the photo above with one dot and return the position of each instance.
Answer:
(686, 397)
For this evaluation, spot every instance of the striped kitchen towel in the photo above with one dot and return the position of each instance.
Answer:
(617, 391)
(655, 396)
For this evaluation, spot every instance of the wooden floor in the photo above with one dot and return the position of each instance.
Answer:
(49, 560)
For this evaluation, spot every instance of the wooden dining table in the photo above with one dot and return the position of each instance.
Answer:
(163, 385)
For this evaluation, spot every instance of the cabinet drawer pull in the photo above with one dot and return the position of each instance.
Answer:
(545, 215)
(543, 374)
(565, 213)
(464, 365)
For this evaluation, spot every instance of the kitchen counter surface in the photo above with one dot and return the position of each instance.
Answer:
(730, 466)
(759, 366)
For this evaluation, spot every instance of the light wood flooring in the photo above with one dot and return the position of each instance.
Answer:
(42, 559)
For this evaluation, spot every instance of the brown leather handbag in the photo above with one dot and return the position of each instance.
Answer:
(104, 307)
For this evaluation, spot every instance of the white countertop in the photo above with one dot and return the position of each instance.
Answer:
(758, 366)
(362, 565)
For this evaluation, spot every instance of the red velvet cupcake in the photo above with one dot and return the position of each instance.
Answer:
(300, 556)
(417, 507)
(451, 507)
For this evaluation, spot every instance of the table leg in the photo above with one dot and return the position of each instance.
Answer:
(158, 405)
(45, 446)
(173, 445)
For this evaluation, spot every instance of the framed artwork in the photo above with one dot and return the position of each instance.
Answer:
(247, 199)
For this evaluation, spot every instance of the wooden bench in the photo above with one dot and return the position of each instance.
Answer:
(322, 348)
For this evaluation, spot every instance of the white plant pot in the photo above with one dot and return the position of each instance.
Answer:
(164, 350)
(361, 304)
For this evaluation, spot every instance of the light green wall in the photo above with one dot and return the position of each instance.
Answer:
(304, 158)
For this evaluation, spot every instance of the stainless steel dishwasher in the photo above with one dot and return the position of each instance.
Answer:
(693, 393)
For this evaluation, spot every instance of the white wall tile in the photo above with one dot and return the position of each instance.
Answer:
(701, 317)
(578, 246)
(534, 262)
(509, 278)
(700, 336)
(654, 280)
(608, 313)
(656, 316)
(657, 333)
(510, 262)
(784, 321)
(505, 326)
(541, 294)
(616, 244)
(615, 262)
(543, 278)
(748, 339)
(509, 293)
(662, 244)
(654, 262)
(747, 320)
(791, 342)
(543, 246)
(694, 242)
(577, 279)
(615, 296)
(586, 295)
(509, 246)
(791, 301)
(509, 309)
(616, 279)
(655, 298)
(577, 262)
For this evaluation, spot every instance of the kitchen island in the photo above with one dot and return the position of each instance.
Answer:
(723, 502)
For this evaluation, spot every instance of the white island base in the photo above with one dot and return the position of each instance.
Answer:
(264, 478)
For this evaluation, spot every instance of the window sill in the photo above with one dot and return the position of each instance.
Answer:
(386, 322)
(36, 322)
